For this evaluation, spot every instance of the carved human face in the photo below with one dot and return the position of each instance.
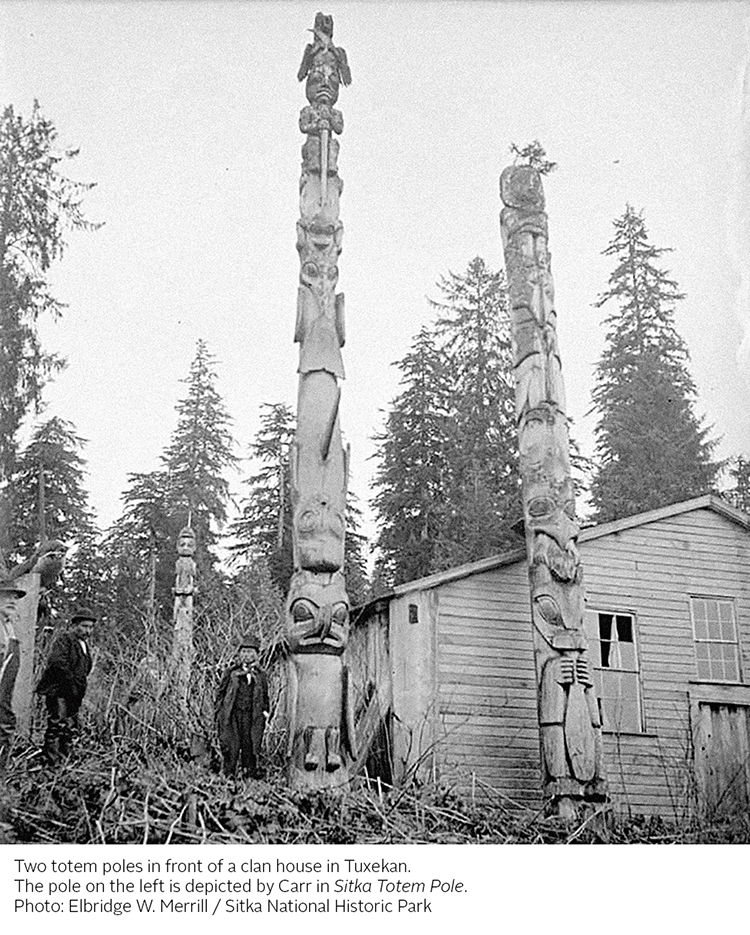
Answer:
(320, 535)
(550, 509)
(319, 276)
(323, 81)
(186, 543)
(521, 187)
(248, 656)
(318, 613)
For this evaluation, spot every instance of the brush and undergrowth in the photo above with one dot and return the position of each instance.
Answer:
(145, 770)
(122, 792)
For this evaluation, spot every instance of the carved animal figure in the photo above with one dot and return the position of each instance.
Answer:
(323, 43)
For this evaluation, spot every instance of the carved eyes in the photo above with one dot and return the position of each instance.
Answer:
(340, 615)
(308, 521)
(540, 506)
(303, 611)
(546, 506)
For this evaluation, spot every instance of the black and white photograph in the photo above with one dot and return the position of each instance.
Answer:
(374, 444)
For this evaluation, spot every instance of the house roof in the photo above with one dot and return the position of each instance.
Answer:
(706, 502)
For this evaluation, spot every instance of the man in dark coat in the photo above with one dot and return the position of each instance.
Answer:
(63, 683)
(242, 708)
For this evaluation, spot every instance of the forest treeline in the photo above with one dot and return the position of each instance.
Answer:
(446, 486)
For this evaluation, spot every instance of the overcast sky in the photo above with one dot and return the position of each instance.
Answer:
(186, 116)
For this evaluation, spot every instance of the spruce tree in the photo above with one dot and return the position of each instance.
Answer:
(199, 453)
(50, 501)
(414, 476)
(652, 449)
(485, 495)
(263, 531)
(37, 204)
(49, 496)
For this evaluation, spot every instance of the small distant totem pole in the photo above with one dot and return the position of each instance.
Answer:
(317, 616)
(184, 588)
(569, 721)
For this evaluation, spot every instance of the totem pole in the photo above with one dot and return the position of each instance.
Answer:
(184, 588)
(33, 579)
(570, 726)
(317, 616)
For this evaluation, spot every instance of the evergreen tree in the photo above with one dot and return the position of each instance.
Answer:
(414, 475)
(197, 457)
(485, 493)
(37, 204)
(49, 497)
(50, 501)
(652, 450)
(264, 528)
(355, 561)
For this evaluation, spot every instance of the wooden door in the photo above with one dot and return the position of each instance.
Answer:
(722, 757)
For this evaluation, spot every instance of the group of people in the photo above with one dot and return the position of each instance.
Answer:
(242, 700)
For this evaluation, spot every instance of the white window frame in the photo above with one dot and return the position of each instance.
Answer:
(705, 640)
(602, 675)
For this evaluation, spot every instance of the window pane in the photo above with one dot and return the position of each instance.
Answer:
(630, 716)
(605, 653)
(624, 629)
(605, 626)
(627, 656)
(699, 610)
(727, 622)
(731, 668)
(712, 616)
(701, 630)
(716, 661)
(701, 651)
(704, 670)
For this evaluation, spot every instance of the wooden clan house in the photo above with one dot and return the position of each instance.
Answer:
(445, 664)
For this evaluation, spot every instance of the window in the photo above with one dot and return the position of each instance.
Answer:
(715, 633)
(615, 669)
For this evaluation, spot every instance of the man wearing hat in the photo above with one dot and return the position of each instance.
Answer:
(63, 683)
(10, 658)
(242, 709)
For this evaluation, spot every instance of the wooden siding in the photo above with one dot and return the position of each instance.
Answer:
(486, 686)
(486, 697)
(653, 570)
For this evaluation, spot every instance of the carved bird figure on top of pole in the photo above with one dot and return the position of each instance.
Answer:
(323, 42)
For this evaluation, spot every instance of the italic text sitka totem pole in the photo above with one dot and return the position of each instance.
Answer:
(320, 725)
(569, 721)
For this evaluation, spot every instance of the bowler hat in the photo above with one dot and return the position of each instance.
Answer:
(9, 587)
(249, 642)
(83, 613)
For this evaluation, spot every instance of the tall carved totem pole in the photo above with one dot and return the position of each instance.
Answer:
(320, 728)
(569, 721)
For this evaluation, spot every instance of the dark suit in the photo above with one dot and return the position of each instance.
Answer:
(63, 683)
(241, 706)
